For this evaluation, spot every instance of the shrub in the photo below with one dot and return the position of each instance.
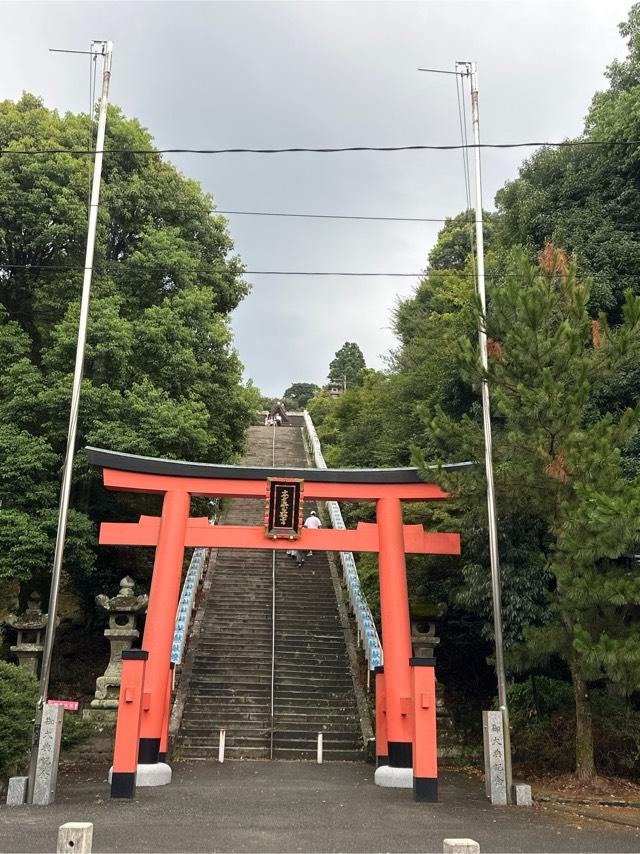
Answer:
(18, 695)
(75, 730)
(542, 714)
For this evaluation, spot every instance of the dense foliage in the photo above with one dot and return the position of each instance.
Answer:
(160, 377)
(18, 692)
(299, 394)
(346, 365)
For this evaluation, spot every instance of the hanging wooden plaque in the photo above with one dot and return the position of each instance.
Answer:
(283, 516)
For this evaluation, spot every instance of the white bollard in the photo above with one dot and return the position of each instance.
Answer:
(76, 836)
(319, 748)
(460, 846)
(223, 738)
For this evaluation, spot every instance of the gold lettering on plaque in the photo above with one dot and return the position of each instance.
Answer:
(284, 507)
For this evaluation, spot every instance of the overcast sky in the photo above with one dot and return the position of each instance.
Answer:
(279, 74)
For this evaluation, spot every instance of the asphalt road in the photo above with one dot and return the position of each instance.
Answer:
(297, 806)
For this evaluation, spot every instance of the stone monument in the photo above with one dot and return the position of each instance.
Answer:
(30, 626)
(123, 610)
(44, 787)
(495, 776)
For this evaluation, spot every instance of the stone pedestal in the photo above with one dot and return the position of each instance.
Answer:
(123, 610)
(30, 626)
(393, 778)
(494, 759)
(44, 787)
(153, 774)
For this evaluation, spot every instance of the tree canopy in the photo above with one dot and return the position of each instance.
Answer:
(346, 365)
(161, 376)
(300, 394)
(585, 198)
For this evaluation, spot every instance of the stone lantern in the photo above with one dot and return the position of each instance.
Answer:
(30, 626)
(123, 610)
(423, 628)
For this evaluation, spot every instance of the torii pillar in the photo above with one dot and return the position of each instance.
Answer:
(396, 632)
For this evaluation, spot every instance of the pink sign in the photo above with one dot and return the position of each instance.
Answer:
(69, 705)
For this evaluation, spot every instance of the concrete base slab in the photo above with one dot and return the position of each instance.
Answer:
(394, 778)
(155, 774)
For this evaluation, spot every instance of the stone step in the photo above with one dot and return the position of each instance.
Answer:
(231, 670)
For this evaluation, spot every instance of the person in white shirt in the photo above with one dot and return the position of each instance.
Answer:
(312, 521)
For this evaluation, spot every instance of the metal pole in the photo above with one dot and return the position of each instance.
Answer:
(63, 512)
(273, 624)
(488, 452)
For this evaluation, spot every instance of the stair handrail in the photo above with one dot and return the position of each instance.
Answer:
(367, 631)
(187, 603)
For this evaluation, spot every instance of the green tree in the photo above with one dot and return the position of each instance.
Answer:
(456, 240)
(18, 693)
(161, 375)
(346, 365)
(585, 198)
(301, 393)
(559, 460)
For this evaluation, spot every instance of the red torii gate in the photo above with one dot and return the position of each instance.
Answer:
(406, 714)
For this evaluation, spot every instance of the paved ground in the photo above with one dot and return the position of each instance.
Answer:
(296, 806)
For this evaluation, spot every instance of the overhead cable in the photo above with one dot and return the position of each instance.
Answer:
(29, 152)
(498, 274)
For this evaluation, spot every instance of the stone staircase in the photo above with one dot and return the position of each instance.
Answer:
(230, 680)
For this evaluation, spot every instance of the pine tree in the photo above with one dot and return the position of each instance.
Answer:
(558, 459)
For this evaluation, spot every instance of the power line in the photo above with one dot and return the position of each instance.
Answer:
(104, 265)
(335, 216)
(23, 152)
(71, 268)
(324, 273)
(297, 215)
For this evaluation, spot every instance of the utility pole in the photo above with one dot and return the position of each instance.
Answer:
(105, 49)
(470, 70)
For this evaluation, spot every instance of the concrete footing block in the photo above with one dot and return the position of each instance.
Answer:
(522, 796)
(153, 774)
(460, 846)
(394, 778)
(76, 836)
(17, 791)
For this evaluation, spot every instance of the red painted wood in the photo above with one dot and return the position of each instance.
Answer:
(155, 483)
(425, 748)
(125, 754)
(364, 538)
(382, 748)
(394, 613)
(163, 604)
